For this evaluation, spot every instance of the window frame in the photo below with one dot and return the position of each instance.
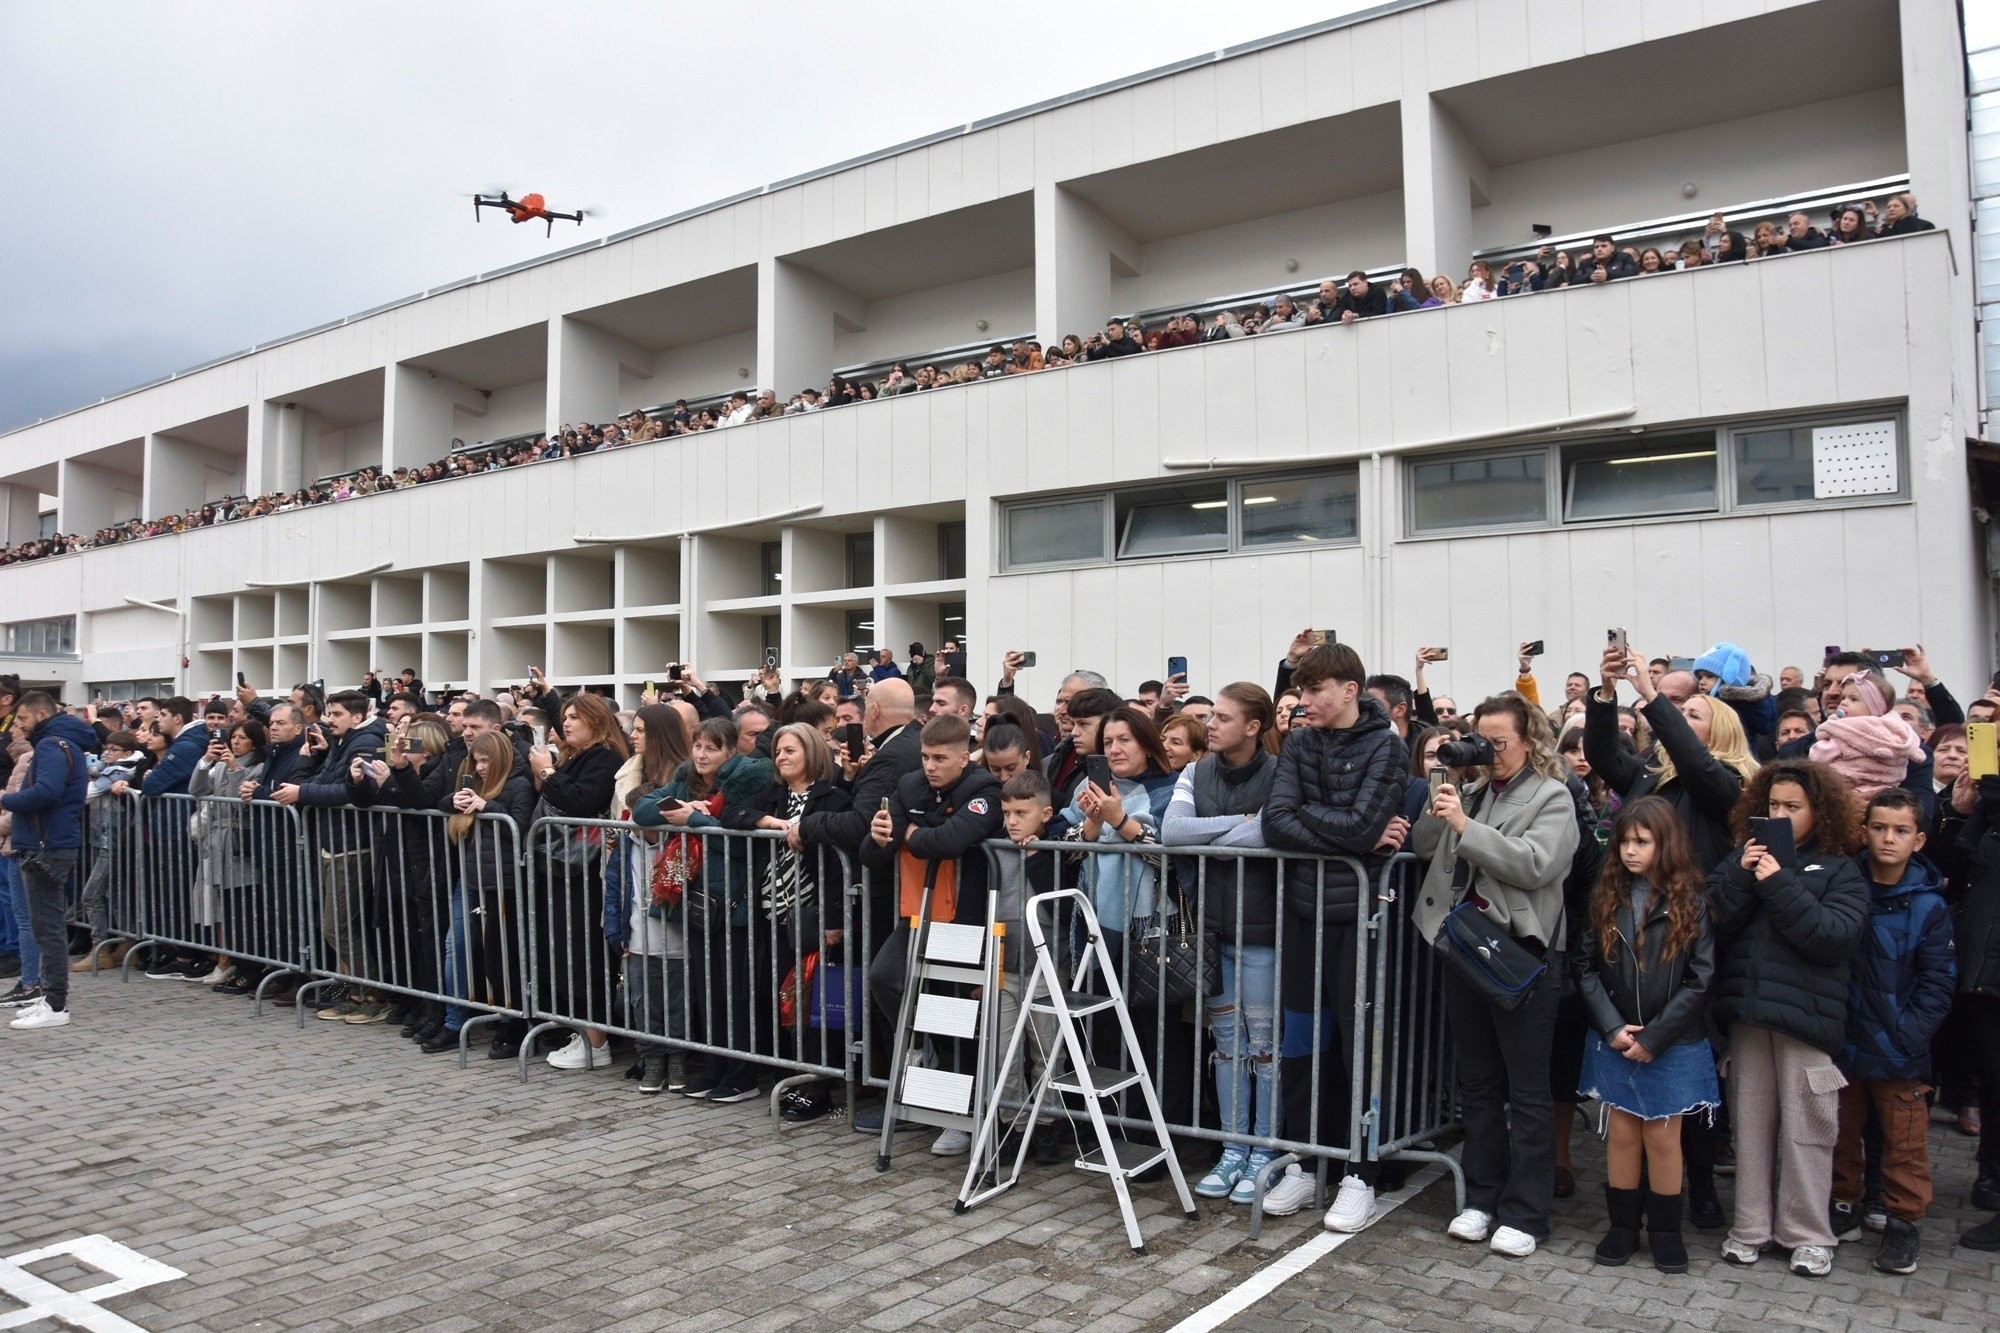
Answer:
(1561, 454)
(1109, 500)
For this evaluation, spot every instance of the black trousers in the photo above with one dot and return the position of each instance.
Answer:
(1503, 1089)
(1982, 1026)
(1328, 990)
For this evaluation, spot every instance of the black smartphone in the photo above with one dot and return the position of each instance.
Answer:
(1027, 660)
(465, 783)
(1098, 769)
(1776, 836)
(854, 738)
(770, 659)
(1298, 712)
(1889, 657)
(674, 671)
(1995, 682)
(1533, 650)
(1177, 666)
(241, 681)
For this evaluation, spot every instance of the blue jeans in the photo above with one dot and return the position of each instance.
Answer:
(1242, 1018)
(457, 962)
(17, 899)
(11, 929)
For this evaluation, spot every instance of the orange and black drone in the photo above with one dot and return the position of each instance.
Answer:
(528, 208)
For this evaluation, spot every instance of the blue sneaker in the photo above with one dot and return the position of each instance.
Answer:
(1222, 1177)
(870, 1122)
(1245, 1192)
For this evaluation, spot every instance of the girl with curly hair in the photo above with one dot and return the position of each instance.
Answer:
(1644, 968)
(1788, 930)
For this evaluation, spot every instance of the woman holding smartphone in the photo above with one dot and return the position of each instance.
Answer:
(485, 876)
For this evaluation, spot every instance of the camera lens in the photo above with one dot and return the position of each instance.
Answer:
(1471, 752)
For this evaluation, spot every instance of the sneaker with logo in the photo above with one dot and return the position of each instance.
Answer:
(652, 1074)
(1812, 1261)
(742, 1093)
(580, 1054)
(367, 1011)
(1513, 1243)
(218, 974)
(1844, 1221)
(951, 1143)
(1471, 1225)
(21, 996)
(338, 1011)
(1245, 1192)
(1290, 1192)
(1354, 1207)
(39, 1015)
(1222, 1177)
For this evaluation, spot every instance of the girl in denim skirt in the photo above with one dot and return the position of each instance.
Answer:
(1644, 969)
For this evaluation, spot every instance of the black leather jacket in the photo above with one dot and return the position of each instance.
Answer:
(1669, 1000)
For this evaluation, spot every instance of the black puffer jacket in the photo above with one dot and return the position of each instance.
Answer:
(1335, 793)
(1669, 999)
(1786, 943)
(1978, 914)
(1703, 790)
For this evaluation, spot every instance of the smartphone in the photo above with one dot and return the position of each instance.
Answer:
(541, 735)
(1298, 712)
(650, 688)
(1439, 777)
(1321, 637)
(1832, 651)
(1444, 654)
(396, 741)
(465, 783)
(240, 680)
(1177, 666)
(854, 738)
(770, 659)
(1680, 664)
(1982, 750)
(1534, 649)
(885, 805)
(1888, 657)
(1994, 684)
(674, 671)
(1027, 660)
(1776, 836)
(1098, 769)
(1616, 639)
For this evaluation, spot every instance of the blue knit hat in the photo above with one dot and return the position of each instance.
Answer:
(1729, 665)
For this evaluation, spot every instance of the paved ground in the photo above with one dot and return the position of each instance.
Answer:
(335, 1178)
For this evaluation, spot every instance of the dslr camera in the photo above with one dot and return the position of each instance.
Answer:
(1473, 751)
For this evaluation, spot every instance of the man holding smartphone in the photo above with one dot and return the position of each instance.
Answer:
(341, 842)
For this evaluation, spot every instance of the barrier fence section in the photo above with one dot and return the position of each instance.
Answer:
(1286, 1003)
(727, 943)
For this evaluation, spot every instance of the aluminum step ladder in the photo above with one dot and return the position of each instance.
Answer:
(1068, 1069)
(944, 954)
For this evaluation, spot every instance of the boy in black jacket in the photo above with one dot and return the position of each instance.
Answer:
(938, 814)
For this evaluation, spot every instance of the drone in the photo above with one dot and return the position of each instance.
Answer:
(527, 208)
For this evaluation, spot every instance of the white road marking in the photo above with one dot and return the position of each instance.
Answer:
(129, 1270)
(1262, 1283)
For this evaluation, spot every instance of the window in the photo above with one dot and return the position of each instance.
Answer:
(861, 559)
(42, 638)
(951, 550)
(1186, 520)
(1300, 509)
(860, 634)
(124, 691)
(772, 579)
(1719, 470)
(1672, 475)
(951, 623)
(1058, 533)
(1213, 516)
(1484, 492)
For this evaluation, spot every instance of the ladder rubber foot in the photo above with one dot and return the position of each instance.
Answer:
(1138, 1249)
(882, 1162)
(958, 1207)
(1194, 1212)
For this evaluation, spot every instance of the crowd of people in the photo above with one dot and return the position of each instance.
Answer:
(1756, 920)
(1337, 301)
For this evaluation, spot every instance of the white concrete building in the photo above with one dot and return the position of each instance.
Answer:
(1773, 452)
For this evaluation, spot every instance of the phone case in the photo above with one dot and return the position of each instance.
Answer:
(1982, 750)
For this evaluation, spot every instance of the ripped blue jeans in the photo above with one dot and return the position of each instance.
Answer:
(1242, 1018)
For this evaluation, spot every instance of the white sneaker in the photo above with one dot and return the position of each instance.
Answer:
(1289, 1193)
(1812, 1261)
(219, 975)
(1471, 1225)
(1354, 1207)
(1514, 1244)
(39, 1015)
(952, 1143)
(580, 1054)
(1736, 1252)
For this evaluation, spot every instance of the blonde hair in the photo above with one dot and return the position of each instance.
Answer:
(1726, 741)
(498, 752)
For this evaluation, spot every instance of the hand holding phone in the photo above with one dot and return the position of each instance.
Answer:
(1097, 770)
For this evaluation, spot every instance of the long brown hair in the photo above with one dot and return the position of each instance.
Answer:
(666, 744)
(1145, 732)
(1675, 879)
(603, 723)
(498, 752)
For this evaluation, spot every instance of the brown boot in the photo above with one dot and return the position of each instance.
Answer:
(100, 956)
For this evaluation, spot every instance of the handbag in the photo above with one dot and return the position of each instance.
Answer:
(1170, 962)
(796, 980)
(577, 847)
(836, 994)
(1487, 958)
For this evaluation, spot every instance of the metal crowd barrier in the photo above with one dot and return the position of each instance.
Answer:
(708, 977)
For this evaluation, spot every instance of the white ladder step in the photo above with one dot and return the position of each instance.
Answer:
(1099, 1081)
(937, 1090)
(946, 1015)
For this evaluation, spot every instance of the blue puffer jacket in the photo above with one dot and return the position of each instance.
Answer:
(49, 806)
(1903, 978)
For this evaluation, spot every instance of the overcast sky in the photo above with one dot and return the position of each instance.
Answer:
(187, 179)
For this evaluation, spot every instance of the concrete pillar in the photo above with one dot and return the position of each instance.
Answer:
(584, 372)
(797, 314)
(1077, 250)
(277, 449)
(1443, 177)
(174, 479)
(87, 497)
(416, 417)
(20, 513)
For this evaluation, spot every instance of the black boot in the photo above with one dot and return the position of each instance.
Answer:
(1703, 1207)
(1621, 1242)
(1663, 1233)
